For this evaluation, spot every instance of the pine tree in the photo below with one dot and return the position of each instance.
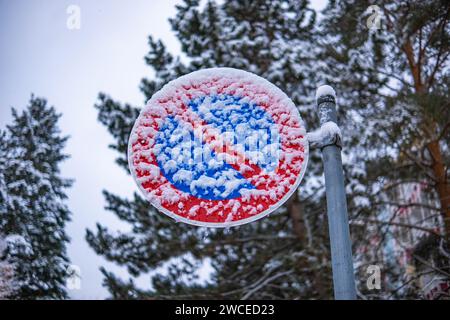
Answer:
(33, 213)
(393, 80)
(284, 256)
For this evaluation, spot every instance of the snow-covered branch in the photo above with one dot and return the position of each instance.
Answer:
(6, 274)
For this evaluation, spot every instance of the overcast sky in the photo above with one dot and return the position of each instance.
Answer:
(41, 55)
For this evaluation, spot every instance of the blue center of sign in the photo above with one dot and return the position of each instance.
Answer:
(192, 167)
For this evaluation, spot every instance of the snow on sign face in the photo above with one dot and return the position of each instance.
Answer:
(218, 147)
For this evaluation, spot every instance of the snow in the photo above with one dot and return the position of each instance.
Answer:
(326, 132)
(170, 166)
(203, 182)
(232, 186)
(324, 91)
(183, 176)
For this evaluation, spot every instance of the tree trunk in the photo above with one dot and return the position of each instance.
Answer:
(295, 211)
(442, 186)
(438, 166)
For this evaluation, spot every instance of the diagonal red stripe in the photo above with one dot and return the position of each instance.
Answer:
(236, 159)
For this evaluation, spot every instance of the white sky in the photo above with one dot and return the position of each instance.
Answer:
(40, 55)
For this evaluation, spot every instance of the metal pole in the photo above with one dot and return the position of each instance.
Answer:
(341, 250)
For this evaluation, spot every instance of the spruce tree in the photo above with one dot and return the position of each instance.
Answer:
(6, 269)
(283, 256)
(33, 213)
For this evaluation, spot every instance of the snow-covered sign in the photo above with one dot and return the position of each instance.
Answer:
(218, 147)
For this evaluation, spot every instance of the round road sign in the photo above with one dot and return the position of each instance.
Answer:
(218, 147)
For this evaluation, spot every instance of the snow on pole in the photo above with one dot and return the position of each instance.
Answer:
(218, 147)
(341, 250)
